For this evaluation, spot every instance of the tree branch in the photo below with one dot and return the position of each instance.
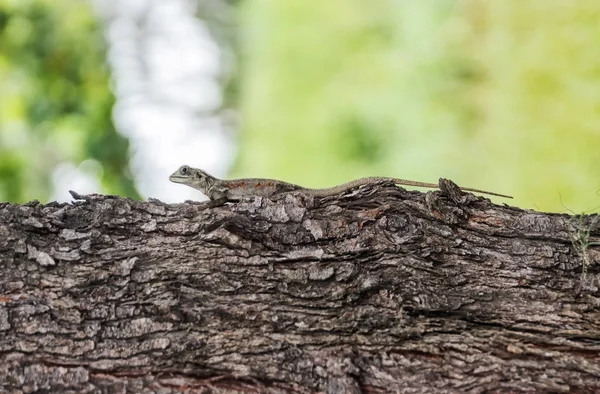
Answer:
(378, 290)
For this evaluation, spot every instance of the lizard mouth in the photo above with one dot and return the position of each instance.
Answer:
(176, 178)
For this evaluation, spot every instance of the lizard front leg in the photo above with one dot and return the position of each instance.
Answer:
(218, 197)
(216, 203)
(217, 200)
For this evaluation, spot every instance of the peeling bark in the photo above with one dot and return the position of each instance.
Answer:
(378, 290)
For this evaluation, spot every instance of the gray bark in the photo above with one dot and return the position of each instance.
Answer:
(379, 290)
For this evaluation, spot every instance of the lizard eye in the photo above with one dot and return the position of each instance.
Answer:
(184, 170)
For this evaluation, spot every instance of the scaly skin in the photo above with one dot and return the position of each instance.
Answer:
(220, 191)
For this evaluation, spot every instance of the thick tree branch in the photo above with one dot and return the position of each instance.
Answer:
(379, 290)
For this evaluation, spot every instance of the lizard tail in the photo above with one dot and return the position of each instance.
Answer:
(332, 191)
(468, 189)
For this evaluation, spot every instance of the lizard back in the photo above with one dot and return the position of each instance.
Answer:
(261, 187)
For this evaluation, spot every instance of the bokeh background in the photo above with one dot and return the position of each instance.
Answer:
(112, 96)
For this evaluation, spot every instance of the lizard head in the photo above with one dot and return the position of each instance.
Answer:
(193, 177)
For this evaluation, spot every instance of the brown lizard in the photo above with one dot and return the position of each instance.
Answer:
(221, 191)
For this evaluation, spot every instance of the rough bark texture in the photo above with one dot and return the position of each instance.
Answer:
(379, 290)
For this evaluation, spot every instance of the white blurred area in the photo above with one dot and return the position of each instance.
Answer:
(166, 69)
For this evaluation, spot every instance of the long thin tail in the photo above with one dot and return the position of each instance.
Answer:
(468, 189)
(332, 191)
(434, 186)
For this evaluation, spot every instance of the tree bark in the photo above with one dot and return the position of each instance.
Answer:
(375, 291)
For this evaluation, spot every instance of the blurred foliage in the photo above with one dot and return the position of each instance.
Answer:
(501, 95)
(55, 99)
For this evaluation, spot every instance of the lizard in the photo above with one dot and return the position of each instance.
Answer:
(220, 191)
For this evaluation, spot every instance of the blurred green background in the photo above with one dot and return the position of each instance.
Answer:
(502, 95)
(55, 101)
